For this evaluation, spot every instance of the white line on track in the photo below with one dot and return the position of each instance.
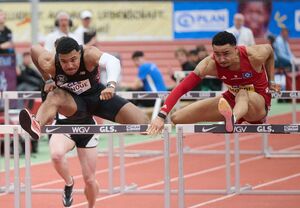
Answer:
(204, 172)
(254, 187)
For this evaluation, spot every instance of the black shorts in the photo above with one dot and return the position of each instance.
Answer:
(81, 140)
(89, 105)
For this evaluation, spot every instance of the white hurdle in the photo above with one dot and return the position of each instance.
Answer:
(196, 95)
(89, 129)
(218, 128)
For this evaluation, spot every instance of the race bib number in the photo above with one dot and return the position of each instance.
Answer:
(235, 89)
(77, 87)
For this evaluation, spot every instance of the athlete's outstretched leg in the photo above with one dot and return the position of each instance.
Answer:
(59, 145)
(241, 104)
(57, 100)
(131, 114)
(88, 160)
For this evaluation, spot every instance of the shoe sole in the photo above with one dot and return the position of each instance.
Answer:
(69, 203)
(26, 123)
(226, 111)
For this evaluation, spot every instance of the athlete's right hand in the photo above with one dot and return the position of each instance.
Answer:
(156, 126)
(107, 93)
(49, 86)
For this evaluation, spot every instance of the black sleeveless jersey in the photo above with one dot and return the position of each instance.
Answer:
(82, 82)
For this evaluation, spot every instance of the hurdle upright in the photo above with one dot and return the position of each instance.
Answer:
(220, 128)
(88, 129)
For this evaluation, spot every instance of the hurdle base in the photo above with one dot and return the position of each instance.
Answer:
(134, 153)
(188, 150)
(270, 153)
(270, 192)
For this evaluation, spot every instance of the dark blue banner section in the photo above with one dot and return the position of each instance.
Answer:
(201, 19)
(8, 79)
(204, 19)
(286, 15)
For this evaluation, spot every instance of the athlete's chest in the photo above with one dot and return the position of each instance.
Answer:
(245, 76)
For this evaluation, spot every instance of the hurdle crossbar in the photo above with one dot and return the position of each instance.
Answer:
(86, 129)
(219, 128)
(241, 128)
(143, 95)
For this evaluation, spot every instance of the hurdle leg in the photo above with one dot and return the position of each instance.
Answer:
(6, 145)
(227, 162)
(16, 169)
(28, 198)
(110, 164)
(294, 104)
(180, 168)
(237, 162)
(167, 190)
(122, 163)
(7, 162)
(265, 145)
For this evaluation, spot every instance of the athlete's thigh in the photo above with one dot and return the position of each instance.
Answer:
(131, 114)
(65, 100)
(117, 109)
(202, 110)
(256, 107)
(88, 160)
(60, 144)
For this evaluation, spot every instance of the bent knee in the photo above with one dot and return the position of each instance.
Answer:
(89, 179)
(175, 118)
(55, 96)
(57, 157)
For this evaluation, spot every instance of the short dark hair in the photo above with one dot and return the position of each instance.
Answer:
(137, 54)
(65, 45)
(223, 38)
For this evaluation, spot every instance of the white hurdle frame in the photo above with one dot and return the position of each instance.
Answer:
(90, 129)
(8, 95)
(219, 128)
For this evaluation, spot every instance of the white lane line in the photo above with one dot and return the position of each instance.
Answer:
(192, 175)
(254, 187)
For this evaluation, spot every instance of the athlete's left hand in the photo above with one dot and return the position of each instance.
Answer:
(107, 93)
(274, 87)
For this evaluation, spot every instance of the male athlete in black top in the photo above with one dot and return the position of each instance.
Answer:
(72, 80)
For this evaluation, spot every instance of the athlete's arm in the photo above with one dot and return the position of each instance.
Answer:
(93, 56)
(263, 55)
(44, 61)
(204, 68)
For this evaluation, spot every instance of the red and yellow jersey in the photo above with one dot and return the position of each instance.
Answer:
(245, 78)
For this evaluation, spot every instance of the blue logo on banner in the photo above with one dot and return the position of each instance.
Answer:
(247, 75)
(186, 20)
(201, 20)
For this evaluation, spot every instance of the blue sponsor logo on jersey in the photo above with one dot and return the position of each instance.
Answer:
(247, 75)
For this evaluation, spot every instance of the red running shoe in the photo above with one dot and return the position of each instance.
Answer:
(30, 124)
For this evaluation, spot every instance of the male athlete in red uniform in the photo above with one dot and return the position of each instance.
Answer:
(248, 73)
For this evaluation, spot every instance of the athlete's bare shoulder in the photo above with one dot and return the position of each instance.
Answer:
(258, 54)
(91, 56)
(43, 59)
(206, 67)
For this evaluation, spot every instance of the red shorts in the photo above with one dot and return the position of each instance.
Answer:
(231, 100)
